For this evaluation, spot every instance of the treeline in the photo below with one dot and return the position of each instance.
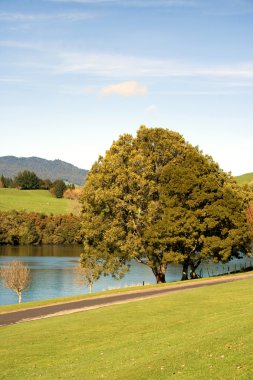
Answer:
(21, 228)
(28, 180)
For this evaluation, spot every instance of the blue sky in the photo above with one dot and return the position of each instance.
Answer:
(75, 74)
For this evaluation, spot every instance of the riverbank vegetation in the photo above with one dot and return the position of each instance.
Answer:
(198, 334)
(20, 228)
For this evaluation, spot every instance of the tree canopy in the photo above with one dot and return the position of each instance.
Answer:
(157, 199)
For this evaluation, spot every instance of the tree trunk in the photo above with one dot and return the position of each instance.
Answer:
(90, 288)
(19, 297)
(160, 278)
(194, 266)
(160, 273)
(185, 271)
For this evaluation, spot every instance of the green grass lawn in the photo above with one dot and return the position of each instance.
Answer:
(35, 200)
(197, 334)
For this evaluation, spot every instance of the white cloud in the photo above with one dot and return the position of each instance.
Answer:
(152, 109)
(130, 88)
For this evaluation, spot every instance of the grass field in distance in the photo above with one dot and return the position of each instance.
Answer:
(204, 333)
(43, 201)
(245, 179)
(37, 201)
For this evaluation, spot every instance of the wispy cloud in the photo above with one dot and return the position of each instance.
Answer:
(66, 16)
(11, 80)
(244, 84)
(215, 7)
(75, 90)
(207, 92)
(20, 45)
(129, 88)
(119, 67)
(113, 65)
(134, 3)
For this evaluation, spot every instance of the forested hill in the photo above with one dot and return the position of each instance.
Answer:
(10, 166)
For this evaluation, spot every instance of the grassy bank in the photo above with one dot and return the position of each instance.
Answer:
(37, 201)
(197, 334)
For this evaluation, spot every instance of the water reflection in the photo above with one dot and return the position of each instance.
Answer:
(41, 250)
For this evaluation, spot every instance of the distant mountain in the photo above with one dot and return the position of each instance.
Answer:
(245, 179)
(10, 166)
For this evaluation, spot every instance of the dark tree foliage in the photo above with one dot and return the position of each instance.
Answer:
(45, 184)
(2, 182)
(27, 180)
(158, 200)
(205, 214)
(250, 216)
(6, 182)
(58, 188)
(21, 228)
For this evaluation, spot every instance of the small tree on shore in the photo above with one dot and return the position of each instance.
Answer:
(88, 272)
(16, 276)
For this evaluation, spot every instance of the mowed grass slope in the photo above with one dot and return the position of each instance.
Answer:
(196, 334)
(37, 201)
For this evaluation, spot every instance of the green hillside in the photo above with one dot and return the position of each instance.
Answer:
(37, 201)
(245, 179)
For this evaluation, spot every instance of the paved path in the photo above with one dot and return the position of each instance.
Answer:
(101, 301)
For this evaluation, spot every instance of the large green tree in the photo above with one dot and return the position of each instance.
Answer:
(156, 199)
(27, 180)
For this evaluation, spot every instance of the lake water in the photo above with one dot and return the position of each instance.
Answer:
(52, 270)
